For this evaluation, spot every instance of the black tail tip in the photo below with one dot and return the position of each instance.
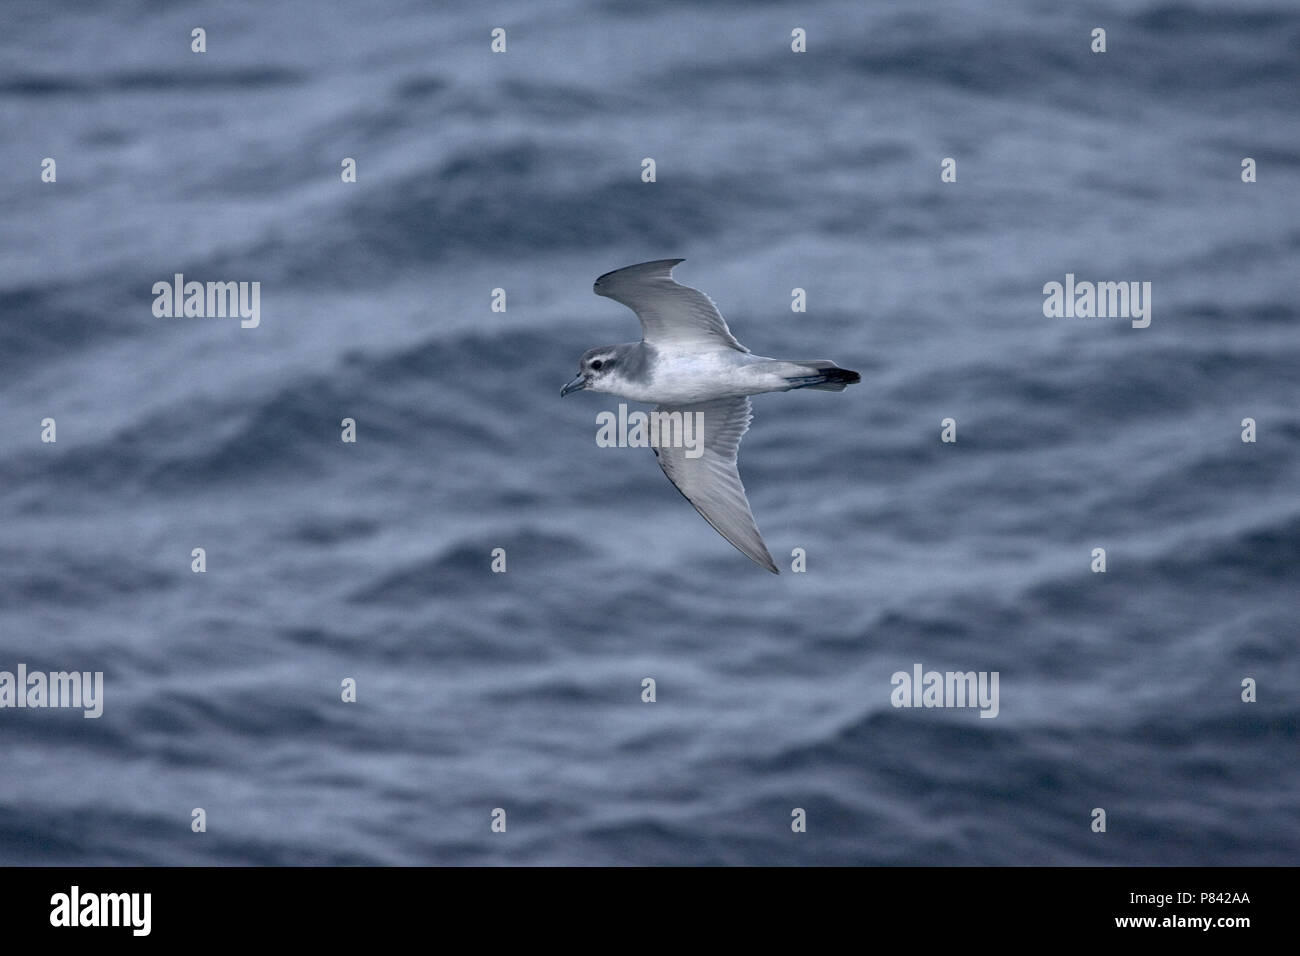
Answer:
(845, 376)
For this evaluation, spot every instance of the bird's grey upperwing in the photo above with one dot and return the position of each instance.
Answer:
(672, 315)
(711, 482)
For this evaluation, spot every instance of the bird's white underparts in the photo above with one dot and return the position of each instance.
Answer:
(688, 362)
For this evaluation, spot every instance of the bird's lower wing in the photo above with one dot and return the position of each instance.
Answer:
(711, 482)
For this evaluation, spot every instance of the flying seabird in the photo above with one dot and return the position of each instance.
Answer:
(688, 361)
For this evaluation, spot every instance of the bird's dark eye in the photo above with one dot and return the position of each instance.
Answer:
(596, 364)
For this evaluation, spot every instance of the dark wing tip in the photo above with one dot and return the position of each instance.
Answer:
(645, 266)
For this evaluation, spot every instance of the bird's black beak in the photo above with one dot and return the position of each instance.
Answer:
(577, 385)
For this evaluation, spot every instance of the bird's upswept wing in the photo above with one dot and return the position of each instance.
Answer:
(672, 315)
(711, 482)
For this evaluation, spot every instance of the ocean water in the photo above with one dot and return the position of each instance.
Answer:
(521, 690)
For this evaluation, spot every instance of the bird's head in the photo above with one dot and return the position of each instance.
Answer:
(594, 370)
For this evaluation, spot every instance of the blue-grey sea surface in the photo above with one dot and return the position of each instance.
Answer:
(775, 170)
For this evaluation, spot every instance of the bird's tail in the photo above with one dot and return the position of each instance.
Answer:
(821, 375)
